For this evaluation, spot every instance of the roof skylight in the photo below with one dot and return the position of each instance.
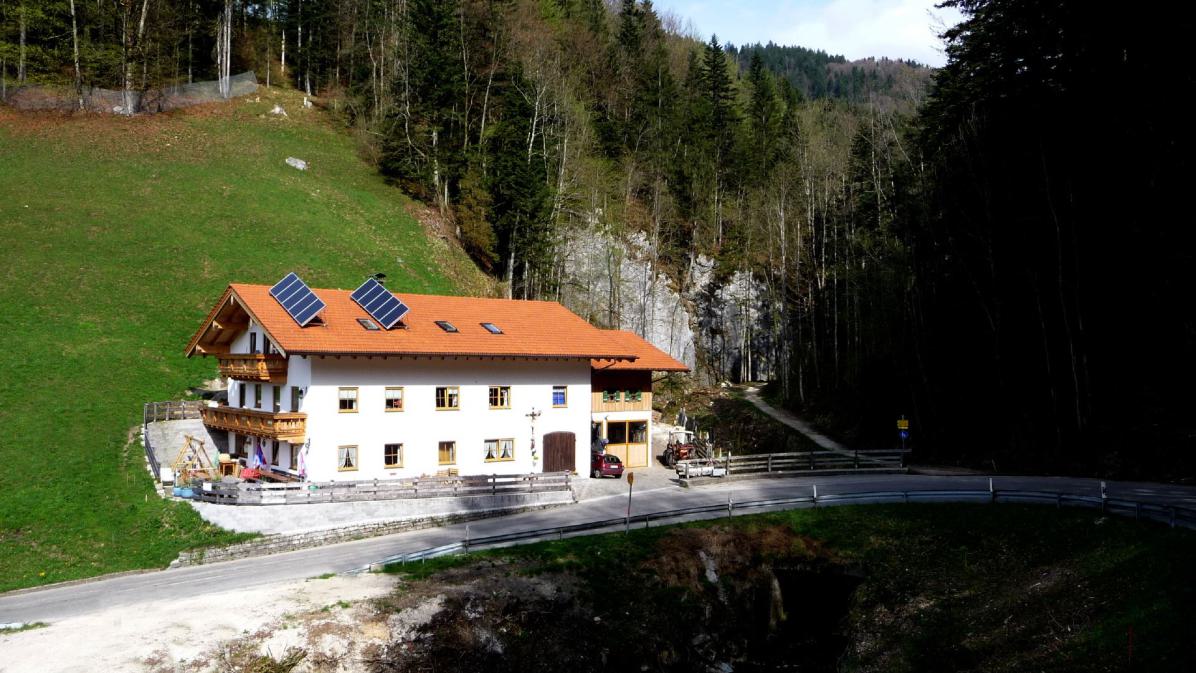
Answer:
(491, 328)
(446, 326)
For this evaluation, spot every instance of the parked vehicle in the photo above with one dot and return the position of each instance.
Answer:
(605, 465)
(680, 447)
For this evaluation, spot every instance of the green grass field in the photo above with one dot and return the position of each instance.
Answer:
(119, 235)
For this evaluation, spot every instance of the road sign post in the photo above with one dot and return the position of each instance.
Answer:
(630, 487)
(903, 430)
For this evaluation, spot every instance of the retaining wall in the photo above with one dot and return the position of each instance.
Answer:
(292, 519)
(279, 543)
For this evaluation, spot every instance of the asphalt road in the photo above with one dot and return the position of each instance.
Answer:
(53, 603)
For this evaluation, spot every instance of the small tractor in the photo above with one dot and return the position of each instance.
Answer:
(681, 447)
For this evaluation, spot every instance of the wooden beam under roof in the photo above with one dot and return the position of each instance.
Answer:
(227, 319)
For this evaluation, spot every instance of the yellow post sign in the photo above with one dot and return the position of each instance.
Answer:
(630, 487)
(902, 424)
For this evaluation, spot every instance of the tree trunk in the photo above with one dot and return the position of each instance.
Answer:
(21, 53)
(190, 29)
(75, 44)
(299, 75)
(511, 272)
(126, 68)
(228, 48)
(141, 37)
(224, 50)
(436, 168)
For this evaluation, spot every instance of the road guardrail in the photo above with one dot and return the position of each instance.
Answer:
(1172, 515)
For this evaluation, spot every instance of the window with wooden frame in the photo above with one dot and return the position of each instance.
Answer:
(500, 397)
(274, 453)
(448, 398)
(392, 455)
(253, 342)
(257, 396)
(296, 397)
(241, 394)
(276, 391)
(637, 432)
(498, 450)
(447, 453)
(394, 398)
(616, 432)
(610, 396)
(347, 398)
(632, 395)
(560, 396)
(346, 458)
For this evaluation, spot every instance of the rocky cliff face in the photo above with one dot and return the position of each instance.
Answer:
(714, 321)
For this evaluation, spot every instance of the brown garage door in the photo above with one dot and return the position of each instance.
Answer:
(560, 452)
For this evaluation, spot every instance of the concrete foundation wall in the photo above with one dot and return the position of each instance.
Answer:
(279, 543)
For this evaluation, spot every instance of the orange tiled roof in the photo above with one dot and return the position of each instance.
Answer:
(650, 357)
(530, 328)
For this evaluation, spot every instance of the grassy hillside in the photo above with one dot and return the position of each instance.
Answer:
(119, 234)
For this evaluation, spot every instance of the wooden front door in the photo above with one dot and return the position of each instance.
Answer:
(560, 452)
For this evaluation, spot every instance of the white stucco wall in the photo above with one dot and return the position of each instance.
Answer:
(420, 426)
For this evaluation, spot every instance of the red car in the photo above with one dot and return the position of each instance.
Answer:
(605, 465)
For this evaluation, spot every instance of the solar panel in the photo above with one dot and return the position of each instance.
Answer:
(297, 298)
(386, 308)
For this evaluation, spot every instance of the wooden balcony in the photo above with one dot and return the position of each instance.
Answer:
(254, 367)
(284, 426)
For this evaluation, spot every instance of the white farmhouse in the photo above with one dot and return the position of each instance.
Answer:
(332, 391)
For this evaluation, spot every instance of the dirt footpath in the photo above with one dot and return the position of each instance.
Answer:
(328, 618)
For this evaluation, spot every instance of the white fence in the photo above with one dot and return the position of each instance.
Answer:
(305, 492)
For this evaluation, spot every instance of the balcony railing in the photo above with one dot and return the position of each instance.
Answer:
(254, 367)
(286, 426)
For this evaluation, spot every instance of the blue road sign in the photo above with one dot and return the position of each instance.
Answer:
(904, 434)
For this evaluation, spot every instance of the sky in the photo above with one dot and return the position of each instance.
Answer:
(854, 28)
